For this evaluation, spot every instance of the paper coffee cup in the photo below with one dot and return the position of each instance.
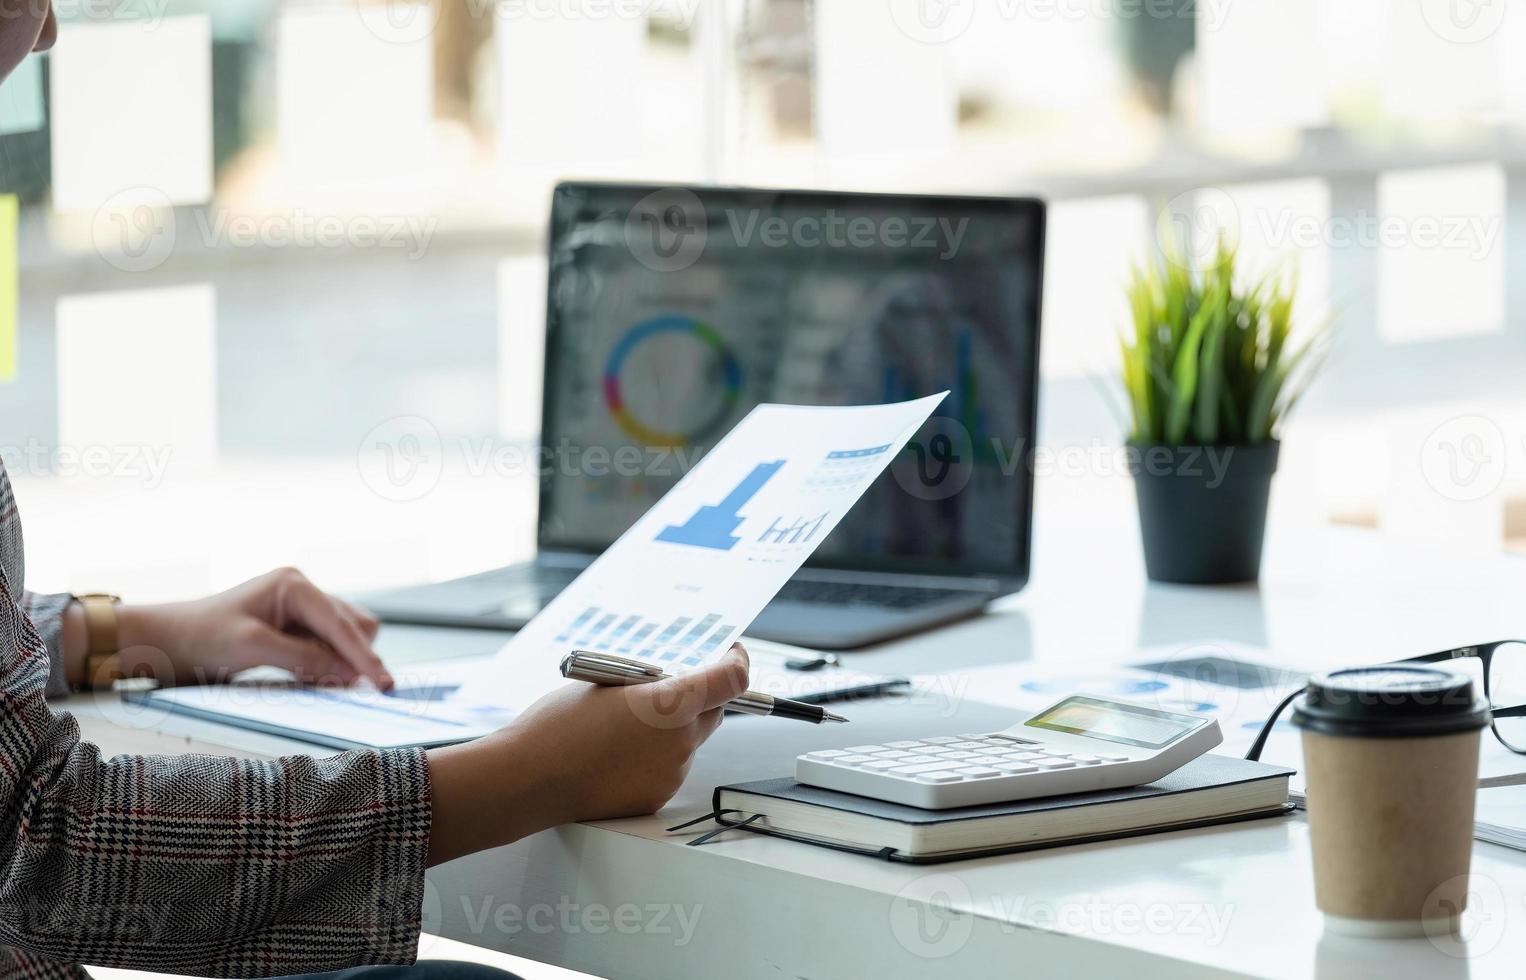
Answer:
(1391, 762)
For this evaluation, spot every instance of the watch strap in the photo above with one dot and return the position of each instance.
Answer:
(103, 665)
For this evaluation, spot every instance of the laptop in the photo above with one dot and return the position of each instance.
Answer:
(672, 311)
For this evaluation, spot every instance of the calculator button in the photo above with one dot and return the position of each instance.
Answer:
(976, 772)
(1113, 758)
(1055, 764)
(1014, 768)
(894, 754)
(919, 770)
(940, 777)
(863, 748)
(941, 740)
(996, 750)
(883, 764)
(903, 745)
(850, 760)
(967, 745)
(1086, 760)
(826, 754)
(917, 760)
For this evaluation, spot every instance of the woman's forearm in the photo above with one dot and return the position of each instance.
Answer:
(144, 634)
(486, 794)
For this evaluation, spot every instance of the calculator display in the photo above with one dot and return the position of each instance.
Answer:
(1126, 724)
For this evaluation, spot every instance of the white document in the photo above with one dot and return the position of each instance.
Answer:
(677, 589)
(682, 584)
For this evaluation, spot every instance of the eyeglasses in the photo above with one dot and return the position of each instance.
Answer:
(1504, 666)
(1504, 663)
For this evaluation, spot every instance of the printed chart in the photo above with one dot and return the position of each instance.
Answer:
(685, 640)
(694, 572)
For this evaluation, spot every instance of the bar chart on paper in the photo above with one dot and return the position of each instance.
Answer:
(684, 641)
(690, 576)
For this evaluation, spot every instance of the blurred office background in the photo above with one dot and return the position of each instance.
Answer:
(267, 247)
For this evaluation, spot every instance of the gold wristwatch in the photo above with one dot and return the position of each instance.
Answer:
(103, 665)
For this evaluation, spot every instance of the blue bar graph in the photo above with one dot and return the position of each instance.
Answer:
(685, 641)
(577, 624)
(639, 638)
(712, 527)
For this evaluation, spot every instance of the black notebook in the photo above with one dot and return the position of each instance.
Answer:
(1212, 789)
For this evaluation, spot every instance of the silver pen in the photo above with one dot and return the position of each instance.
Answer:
(608, 670)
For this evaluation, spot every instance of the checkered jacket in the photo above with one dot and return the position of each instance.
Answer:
(188, 864)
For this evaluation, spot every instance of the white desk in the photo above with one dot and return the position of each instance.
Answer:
(624, 899)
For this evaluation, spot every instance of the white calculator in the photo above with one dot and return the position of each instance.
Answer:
(1079, 745)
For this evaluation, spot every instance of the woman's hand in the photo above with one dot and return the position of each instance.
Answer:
(277, 620)
(581, 753)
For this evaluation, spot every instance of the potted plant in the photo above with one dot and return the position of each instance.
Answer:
(1210, 372)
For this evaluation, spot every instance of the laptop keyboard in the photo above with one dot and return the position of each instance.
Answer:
(547, 582)
(863, 594)
(544, 583)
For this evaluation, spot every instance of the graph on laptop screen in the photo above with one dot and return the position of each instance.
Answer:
(796, 298)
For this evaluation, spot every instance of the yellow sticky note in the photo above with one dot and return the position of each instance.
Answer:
(10, 211)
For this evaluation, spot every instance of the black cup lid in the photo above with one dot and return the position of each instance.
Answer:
(1390, 702)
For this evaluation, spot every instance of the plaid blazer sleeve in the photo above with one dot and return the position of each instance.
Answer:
(47, 615)
(194, 864)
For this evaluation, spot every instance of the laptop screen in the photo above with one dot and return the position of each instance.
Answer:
(673, 311)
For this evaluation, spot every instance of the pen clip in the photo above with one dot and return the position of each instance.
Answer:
(585, 665)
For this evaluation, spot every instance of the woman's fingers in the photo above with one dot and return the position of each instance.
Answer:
(332, 621)
(312, 661)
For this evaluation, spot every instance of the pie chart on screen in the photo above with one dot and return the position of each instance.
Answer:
(672, 381)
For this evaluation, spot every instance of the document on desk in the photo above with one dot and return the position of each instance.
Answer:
(677, 589)
(681, 585)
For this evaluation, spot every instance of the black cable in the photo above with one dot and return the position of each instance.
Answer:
(1254, 753)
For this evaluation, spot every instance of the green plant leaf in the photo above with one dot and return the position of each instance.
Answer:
(1208, 359)
(1211, 368)
(1184, 374)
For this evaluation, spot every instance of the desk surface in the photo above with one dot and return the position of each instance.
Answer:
(627, 899)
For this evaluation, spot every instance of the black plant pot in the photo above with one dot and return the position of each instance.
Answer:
(1202, 510)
